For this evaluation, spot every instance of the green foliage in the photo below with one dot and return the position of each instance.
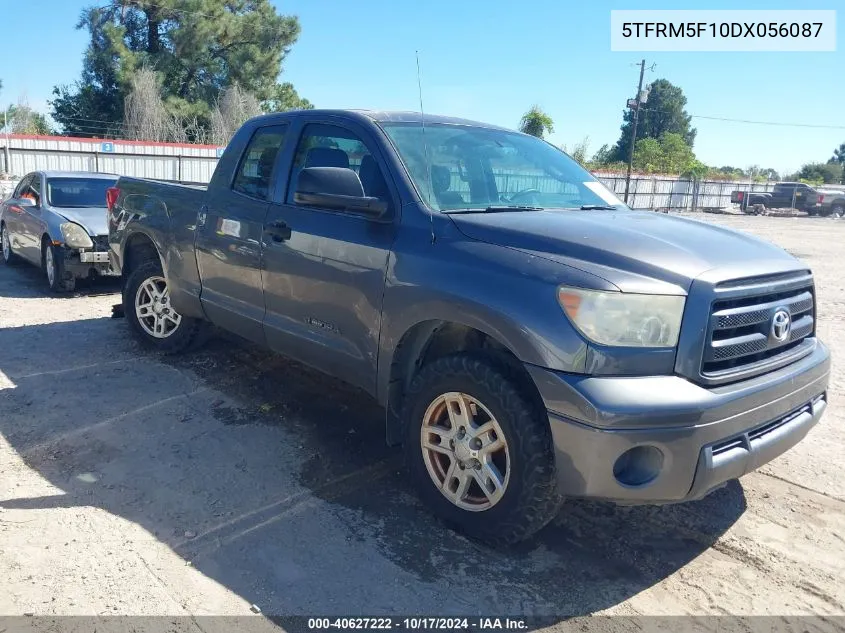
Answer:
(839, 159)
(536, 122)
(648, 155)
(695, 170)
(667, 155)
(663, 113)
(579, 151)
(21, 119)
(284, 98)
(818, 173)
(602, 157)
(197, 48)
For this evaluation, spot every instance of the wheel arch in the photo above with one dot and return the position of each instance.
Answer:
(139, 247)
(428, 340)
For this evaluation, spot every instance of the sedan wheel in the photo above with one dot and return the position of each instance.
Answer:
(8, 256)
(50, 265)
(152, 307)
(465, 451)
(54, 269)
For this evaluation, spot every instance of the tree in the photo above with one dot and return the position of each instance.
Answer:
(695, 170)
(196, 48)
(579, 150)
(22, 119)
(828, 173)
(668, 155)
(536, 122)
(602, 156)
(648, 155)
(839, 158)
(233, 109)
(677, 154)
(663, 113)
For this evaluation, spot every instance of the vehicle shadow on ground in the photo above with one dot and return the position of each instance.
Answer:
(23, 281)
(276, 482)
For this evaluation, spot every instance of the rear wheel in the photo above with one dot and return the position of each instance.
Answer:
(479, 450)
(9, 258)
(52, 259)
(147, 307)
(837, 211)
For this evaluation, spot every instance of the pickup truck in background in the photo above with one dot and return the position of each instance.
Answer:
(814, 200)
(530, 337)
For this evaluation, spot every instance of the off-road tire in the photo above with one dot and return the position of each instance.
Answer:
(189, 334)
(837, 211)
(531, 498)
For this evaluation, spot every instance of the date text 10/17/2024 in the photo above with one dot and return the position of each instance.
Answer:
(418, 623)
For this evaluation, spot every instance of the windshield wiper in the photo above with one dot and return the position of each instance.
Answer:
(496, 209)
(598, 207)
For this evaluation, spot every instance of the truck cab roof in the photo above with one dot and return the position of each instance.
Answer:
(380, 116)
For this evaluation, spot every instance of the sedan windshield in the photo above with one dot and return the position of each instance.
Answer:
(462, 167)
(78, 192)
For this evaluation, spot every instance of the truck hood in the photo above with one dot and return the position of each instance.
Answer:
(636, 251)
(92, 219)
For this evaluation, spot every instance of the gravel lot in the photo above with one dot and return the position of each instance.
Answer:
(133, 484)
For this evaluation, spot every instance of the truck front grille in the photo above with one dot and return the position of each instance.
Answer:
(742, 332)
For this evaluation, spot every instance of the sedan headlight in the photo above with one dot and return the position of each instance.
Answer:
(75, 236)
(624, 320)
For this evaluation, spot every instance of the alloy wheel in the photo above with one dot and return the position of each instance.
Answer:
(465, 451)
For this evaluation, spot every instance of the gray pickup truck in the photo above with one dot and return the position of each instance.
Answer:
(529, 336)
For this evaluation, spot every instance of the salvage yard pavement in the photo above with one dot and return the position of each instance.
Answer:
(231, 481)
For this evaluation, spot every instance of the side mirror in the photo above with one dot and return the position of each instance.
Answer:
(335, 188)
(26, 203)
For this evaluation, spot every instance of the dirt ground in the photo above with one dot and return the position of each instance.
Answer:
(134, 484)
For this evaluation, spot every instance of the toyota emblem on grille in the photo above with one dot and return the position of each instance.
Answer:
(781, 323)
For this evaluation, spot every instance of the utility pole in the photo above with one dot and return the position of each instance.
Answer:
(634, 131)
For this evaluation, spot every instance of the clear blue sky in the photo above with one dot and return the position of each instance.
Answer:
(492, 60)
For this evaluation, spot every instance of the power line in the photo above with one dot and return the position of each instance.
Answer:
(775, 123)
(749, 121)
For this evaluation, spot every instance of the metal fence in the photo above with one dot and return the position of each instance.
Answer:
(21, 154)
(673, 193)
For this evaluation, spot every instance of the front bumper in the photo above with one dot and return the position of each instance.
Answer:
(85, 264)
(704, 437)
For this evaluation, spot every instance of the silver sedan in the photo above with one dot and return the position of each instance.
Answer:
(57, 221)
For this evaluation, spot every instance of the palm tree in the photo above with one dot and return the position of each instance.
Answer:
(536, 122)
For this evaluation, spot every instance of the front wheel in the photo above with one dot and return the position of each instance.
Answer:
(53, 260)
(9, 258)
(479, 450)
(147, 307)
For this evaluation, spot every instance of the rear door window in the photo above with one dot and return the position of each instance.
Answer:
(255, 170)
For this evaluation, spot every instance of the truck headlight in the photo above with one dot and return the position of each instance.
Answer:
(624, 320)
(75, 236)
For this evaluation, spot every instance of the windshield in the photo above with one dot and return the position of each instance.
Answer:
(487, 169)
(78, 192)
